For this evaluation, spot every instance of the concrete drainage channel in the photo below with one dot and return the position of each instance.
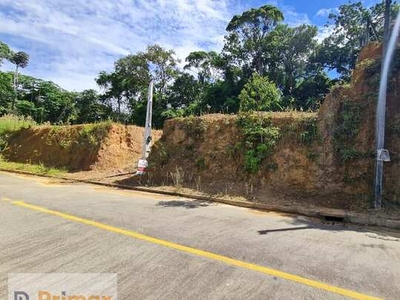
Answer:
(324, 214)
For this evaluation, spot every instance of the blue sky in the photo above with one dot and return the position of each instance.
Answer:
(71, 41)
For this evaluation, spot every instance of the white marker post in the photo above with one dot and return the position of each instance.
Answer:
(142, 164)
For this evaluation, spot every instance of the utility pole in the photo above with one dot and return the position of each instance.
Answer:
(386, 28)
(382, 155)
(142, 164)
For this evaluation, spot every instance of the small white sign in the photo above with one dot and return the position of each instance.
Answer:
(142, 165)
(383, 155)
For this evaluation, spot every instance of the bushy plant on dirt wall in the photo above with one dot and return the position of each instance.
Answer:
(348, 124)
(259, 140)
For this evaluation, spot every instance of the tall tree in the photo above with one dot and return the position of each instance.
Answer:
(290, 49)
(244, 44)
(113, 88)
(134, 74)
(56, 105)
(21, 60)
(311, 90)
(164, 66)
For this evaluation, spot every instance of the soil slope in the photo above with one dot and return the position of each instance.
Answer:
(325, 159)
(91, 147)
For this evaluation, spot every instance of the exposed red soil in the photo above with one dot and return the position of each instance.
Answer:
(103, 148)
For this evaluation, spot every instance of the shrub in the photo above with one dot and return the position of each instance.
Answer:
(259, 140)
(259, 94)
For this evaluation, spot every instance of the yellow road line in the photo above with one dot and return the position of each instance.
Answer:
(201, 253)
(5, 199)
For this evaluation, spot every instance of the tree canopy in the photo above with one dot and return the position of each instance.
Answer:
(353, 26)
(264, 65)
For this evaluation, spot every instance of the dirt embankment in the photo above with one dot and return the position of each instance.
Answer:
(102, 147)
(324, 159)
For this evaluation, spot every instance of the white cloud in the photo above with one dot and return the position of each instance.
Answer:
(71, 41)
(324, 12)
(324, 32)
(293, 18)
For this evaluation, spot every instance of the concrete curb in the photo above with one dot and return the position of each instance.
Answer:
(346, 216)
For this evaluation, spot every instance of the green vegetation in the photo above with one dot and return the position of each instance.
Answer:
(259, 139)
(10, 124)
(88, 134)
(354, 27)
(93, 134)
(265, 65)
(348, 125)
(159, 155)
(30, 168)
(194, 126)
(259, 94)
(309, 130)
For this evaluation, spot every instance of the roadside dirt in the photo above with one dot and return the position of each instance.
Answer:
(86, 151)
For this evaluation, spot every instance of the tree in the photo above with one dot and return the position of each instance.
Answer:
(259, 94)
(353, 27)
(112, 85)
(163, 71)
(164, 64)
(290, 49)
(127, 85)
(26, 108)
(5, 52)
(6, 91)
(89, 109)
(20, 59)
(207, 65)
(244, 44)
(184, 91)
(134, 75)
(55, 104)
(310, 91)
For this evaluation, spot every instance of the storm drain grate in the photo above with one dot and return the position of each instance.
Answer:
(333, 219)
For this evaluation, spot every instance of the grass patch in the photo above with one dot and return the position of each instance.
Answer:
(194, 126)
(9, 124)
(35, 169)
(87, 134)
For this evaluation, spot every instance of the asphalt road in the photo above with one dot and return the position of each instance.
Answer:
(163, 247)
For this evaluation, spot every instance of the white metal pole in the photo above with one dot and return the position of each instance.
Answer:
(147, 126)
(382, 154)
(142, 164)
